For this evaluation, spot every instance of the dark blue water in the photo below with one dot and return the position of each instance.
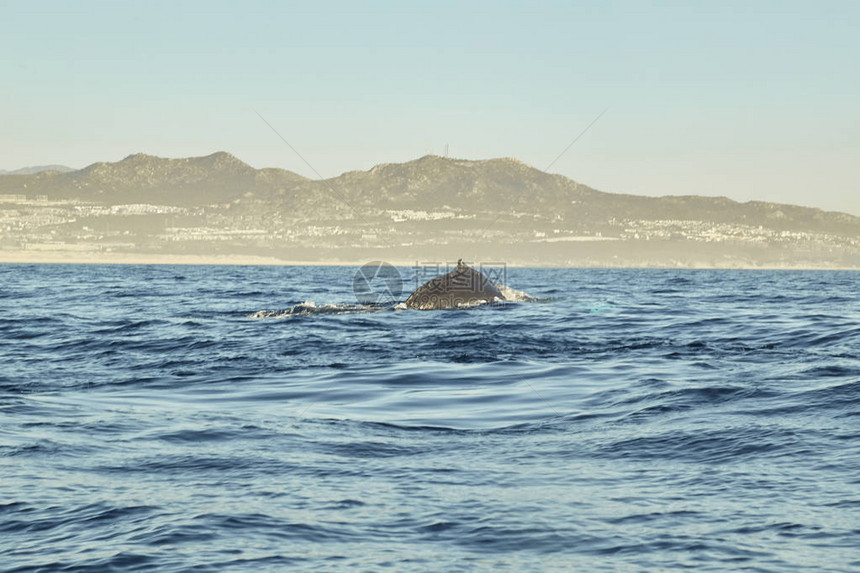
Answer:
(632, 420)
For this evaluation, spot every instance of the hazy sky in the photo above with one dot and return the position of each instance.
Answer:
(748, 99)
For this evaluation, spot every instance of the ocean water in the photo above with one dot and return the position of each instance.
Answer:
(154, 419)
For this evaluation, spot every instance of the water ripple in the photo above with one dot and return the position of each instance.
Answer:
(636, 420)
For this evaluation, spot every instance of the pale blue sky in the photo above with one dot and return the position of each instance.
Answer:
(752, 100)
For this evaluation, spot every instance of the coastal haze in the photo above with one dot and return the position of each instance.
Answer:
(217, 208)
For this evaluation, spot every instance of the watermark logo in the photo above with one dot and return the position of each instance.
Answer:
(377, 283)
(492, 272)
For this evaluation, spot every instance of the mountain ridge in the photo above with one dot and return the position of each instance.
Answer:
(503, 185)
(428, 182)
(141, 178)
(499, 208)
(32, 170)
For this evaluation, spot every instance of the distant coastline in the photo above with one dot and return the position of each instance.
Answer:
(83, 258)
(219, 210)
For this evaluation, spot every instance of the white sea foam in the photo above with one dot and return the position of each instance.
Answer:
(309, 307)
(515, 295)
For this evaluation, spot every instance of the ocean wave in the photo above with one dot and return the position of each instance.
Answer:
(310, 308)
(639, 420)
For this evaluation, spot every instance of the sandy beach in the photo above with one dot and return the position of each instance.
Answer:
(100, 258)
(30, 257)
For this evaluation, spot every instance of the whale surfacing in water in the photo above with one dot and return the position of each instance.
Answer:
(463, 286)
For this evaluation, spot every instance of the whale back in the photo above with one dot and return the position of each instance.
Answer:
(462, 286)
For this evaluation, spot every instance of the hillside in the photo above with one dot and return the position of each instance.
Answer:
(429, 207)
(140, 178)
(507, 187)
